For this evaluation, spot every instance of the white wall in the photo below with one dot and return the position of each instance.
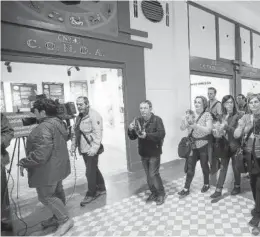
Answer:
(167, 70)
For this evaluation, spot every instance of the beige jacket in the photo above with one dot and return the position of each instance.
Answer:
(92, 126)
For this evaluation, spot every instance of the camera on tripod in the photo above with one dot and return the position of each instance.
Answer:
(65, 111)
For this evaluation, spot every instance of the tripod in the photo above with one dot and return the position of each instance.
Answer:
(16, 146)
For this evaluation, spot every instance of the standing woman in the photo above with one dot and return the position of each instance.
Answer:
(200, 130)
(249, 126)
(229, 145)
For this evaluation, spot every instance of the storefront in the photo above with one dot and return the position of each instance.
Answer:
(223, 54)
(57, 33)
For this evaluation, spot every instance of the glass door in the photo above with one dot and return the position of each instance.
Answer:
(249, 85)
(199, 86)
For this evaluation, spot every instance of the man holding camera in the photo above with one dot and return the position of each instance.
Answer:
(149, 130)
(87, 137)
(48, 164)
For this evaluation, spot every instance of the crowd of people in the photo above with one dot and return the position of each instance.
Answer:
(218, 130)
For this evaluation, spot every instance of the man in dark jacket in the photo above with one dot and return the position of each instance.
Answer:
(48, 164)
(7, 133)
(149, 130)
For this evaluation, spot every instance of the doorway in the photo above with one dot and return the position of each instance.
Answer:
(103, 86)
(199, 86)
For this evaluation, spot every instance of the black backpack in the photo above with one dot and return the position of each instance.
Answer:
(214, 116)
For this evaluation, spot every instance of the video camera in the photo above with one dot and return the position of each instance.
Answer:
(65, 111)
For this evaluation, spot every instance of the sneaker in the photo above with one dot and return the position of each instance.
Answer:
(160, 200)
(205, 188)
(52, 221)
(216, 194)
(152, 197)
(64, 227)
(86, 200)
(235, 191)
(254, 222)
(184, 193)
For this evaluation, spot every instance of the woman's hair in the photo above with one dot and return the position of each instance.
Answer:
(224, 100)
(252, 96)
(204, 101)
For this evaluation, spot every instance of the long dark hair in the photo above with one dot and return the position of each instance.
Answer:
(224, 100)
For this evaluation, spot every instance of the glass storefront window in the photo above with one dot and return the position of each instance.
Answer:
(250, 86)
(200, 84)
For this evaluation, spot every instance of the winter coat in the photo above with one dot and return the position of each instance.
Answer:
(47, 157)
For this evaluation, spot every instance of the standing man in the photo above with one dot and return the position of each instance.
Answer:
(149, 130)
(48, 164)
(87, 138)
(214, 106)
(7, 133)
(242, 103)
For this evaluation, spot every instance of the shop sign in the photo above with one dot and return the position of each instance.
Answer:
(250, 72)
(65, 44)
(211, 66)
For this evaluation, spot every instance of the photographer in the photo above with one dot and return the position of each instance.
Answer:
(48, 164)
(7, 133)
(149, 130)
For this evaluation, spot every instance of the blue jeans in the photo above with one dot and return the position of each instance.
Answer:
(151, 167)
(53, 197)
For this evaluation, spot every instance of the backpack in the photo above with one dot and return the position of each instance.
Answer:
(214, 116)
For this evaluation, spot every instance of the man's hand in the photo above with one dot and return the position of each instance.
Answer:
(72, 151)
(132, 126)
(142, 135)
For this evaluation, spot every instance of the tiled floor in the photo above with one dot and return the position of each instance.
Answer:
(123, 210)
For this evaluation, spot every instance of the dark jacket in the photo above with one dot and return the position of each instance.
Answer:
(7, 133)
(47, 157)
(232, 123)
(151, 145)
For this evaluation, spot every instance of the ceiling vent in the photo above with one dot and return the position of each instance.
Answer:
(152, 10)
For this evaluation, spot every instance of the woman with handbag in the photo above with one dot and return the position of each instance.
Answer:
(228, 145)
(198, 129)
(249, 126)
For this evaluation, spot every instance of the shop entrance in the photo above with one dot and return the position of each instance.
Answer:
(200, 84)
(103, 87)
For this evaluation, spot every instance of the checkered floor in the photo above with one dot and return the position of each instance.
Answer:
(192, 215)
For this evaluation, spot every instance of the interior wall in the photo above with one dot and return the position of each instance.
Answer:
(167, 69)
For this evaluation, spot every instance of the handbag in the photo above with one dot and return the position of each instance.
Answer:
(187, 143)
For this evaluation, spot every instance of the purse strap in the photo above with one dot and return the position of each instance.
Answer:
(197, 120)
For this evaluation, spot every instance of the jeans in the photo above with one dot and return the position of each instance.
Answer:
(255, 186)
(223, 172)
(151, 167)
(198, 154)
(53, 197)
(93, 174)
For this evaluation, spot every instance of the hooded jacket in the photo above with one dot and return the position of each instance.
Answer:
(47, 157)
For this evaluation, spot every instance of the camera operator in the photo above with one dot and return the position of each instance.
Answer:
(7, 133)
(87, 136)
(149, 130)
(48, 164)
